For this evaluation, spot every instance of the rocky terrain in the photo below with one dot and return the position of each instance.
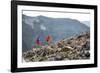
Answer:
(74, 48)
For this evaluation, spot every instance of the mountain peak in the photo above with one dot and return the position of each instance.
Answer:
(41, 16)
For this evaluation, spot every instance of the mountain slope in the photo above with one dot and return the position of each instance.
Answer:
(58, 28)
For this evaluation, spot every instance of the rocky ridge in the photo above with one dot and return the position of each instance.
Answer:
(74, 48)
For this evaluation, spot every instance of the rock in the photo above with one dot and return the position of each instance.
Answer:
(29, 54)
(87, 55)
(27, 60)
(60, 45)
(55, 57)
(59, 49)
(43, 54)
(58, 58)
(66, 48)
(54, 46)
(86, 46)
(51, 59)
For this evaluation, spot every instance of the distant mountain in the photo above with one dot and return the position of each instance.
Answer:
(58, 28)
(86, 23)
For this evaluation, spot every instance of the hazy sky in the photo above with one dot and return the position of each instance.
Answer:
(78, 16)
